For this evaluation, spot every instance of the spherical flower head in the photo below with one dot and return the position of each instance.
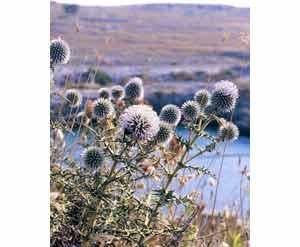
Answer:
(224, 96)
(73, 98)
(170, 114)
(228, 131)
(202, 97)
(104, 93)
(134, 89)
(190, 110)
(117, 92)
(103, 108)
(59, 52)
(93, 157)
(164, 133)
(140, 122)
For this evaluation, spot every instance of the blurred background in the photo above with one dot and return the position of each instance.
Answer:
(176, 49)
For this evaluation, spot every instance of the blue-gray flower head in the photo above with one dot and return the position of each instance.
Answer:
(73, 97)
(191, 110)
(170, 114)
(224, 96)
(117, 92)
(134, 89)
(93, 157)
(103, 108)
(228, 131)
(202, 97)
(140, 122)
(104, 93)
(59, 52)
(164, 133)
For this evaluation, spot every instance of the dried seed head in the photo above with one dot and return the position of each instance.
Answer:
(89, 108)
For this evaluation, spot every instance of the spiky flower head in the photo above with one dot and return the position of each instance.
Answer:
(73, 97)
(224, 96)
(190, 110)
(104, 93)
(117, 92)
(140, 122)
(202, 97)
(164, 133)
(103, 108)
(59, 52)
(93, 157)
(170, 114)
(228, 131)
(134, 89)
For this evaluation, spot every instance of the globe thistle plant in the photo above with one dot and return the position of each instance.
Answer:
(126, 144)
(93, 157)
(224, 96)
(104, 93)
(228, 131)
(164, 133)
(103, 108)
(134, 89)
(191, 110)
(117, 92)
(59, 52)
(73, 98)
(202, 97)
(140, 122)
(170, 114)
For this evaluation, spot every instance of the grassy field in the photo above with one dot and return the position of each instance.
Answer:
(146, 34)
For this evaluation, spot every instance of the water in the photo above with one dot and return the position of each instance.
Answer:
(236, 157)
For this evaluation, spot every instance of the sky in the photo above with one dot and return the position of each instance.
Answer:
(237, 3)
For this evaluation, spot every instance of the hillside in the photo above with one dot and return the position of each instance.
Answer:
(175, 47)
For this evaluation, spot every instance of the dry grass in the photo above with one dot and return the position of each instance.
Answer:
(136, 35)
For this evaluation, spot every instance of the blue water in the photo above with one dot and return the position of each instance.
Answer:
(237, 156)
(235, 159)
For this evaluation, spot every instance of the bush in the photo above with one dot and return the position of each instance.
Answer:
(100, 77)
(183, 76)
(70, 8)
